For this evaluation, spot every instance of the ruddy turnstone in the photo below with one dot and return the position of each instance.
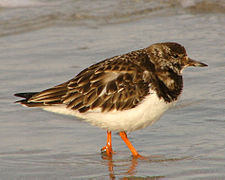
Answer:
(123, 93)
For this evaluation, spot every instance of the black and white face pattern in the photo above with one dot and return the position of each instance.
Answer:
(121, 82)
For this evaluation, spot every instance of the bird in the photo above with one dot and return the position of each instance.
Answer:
(123, 93)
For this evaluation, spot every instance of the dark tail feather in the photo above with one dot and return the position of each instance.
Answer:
(27, 96)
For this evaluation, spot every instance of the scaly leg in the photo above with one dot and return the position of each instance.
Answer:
(123, 135)
(108, 147)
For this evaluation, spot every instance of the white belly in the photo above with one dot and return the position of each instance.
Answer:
(139, 117)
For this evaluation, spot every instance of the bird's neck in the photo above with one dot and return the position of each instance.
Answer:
(168, 85)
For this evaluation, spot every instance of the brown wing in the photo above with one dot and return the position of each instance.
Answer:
(118, 83)
(52, 96)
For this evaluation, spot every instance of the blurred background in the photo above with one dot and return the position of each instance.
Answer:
(46, 42)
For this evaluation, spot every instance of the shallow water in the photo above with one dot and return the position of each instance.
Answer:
(44, 43)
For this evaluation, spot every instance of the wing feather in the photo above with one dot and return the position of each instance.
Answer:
(49, 96)
(118, 83)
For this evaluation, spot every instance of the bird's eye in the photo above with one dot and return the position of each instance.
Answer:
(175, 56)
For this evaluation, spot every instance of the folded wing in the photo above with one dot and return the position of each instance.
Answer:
(118, 83)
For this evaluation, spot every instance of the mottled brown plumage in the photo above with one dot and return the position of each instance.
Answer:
(121, 82)
(123, 93)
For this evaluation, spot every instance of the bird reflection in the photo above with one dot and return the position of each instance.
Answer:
(130, 171)
(111, 164)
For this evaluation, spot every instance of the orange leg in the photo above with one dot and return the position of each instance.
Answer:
(108, 147)
(123, 135)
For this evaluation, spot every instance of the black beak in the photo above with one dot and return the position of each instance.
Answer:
(192, 62)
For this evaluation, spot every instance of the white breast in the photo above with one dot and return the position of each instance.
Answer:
(139, 117)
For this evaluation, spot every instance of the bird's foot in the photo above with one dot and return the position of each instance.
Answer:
(138, 156)
(107, 150)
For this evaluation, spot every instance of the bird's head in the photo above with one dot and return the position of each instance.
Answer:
(171, 56)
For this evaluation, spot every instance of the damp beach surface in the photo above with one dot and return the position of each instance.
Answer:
(44, 43)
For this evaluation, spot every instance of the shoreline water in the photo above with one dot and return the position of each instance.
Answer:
(47, 46)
